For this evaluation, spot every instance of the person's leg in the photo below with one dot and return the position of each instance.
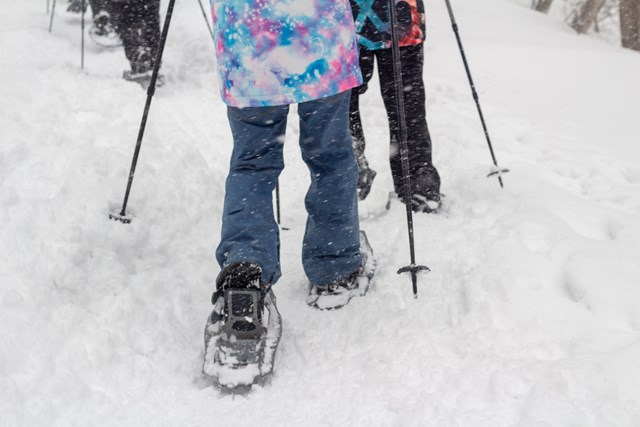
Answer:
(331, 247)
(365, 173)
(425, 181)
(75, 6)
(249, 230)
(138, 24)
(103, 31)
(150, 13)
(97, 6)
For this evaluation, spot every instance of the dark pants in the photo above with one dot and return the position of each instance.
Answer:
(97, 6)
(425, 180)
(137, 22)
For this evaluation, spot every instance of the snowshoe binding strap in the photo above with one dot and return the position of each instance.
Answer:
(243, 314)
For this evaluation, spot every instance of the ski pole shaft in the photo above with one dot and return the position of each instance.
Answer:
(82, 35)
(206, 19)
(454, 25)
(413, 269)
(278, 220)
(278, 201)
(150, 92)
(53, 11)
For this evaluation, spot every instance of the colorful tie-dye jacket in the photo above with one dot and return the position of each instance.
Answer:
(277, 52)
(372, 22)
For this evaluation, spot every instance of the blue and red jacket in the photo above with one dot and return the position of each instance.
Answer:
(372, 22)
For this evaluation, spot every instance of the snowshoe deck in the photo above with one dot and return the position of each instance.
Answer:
(104, 37)
(237, 360)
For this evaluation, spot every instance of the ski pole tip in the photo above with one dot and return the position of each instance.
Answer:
(121, 217)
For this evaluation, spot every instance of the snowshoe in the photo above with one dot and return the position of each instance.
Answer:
(339, 293)
(430, 203)
(143, 78)
(243, 331)
(102, 31)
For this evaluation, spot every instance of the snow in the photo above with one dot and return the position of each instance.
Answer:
(530, 315)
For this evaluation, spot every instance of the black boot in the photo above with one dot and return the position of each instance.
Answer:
(75, 6)
(243, 331)
(240, 285)
(338, 294)
(141, 73)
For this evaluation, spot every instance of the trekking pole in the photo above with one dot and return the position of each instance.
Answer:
(278, 202)
(122, 216)
(84, 9)
(413, 269)
(496, 170)
(206, 19)
(278, 206)
(53, 11)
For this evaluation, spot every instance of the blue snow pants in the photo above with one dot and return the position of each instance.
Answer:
(331, 247)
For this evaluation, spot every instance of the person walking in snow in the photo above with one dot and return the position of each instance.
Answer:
(374, 36)
(137, 23)
(270, 54)
(102, 30)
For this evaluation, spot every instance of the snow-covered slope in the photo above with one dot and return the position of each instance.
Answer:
(530, 316)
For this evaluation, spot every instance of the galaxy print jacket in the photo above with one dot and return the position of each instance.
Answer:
(277, 52)
(372, 22)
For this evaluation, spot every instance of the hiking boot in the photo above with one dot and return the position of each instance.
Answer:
(429, 203)
(240, 286)
(419, 204)
(243, 331)
(143, 78)
(338, 294)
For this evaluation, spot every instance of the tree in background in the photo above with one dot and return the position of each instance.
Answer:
(541, 5)
(586, 15)
(630, 24)
(615, 20)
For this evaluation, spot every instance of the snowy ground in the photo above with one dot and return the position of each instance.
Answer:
(530, 316)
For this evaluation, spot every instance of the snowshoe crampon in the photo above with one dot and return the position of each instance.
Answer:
(338, 294)
(240, 346)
